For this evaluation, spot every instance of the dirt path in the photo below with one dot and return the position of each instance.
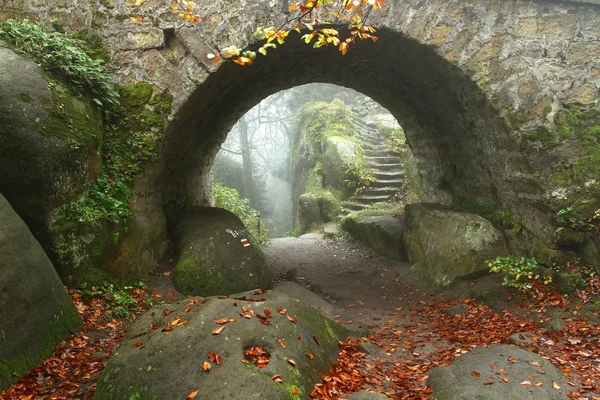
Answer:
(412, 331)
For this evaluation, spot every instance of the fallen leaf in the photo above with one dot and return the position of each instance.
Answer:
(290, 361)
(218, 331)
(535, 363)
(555, 385)
(191, 395)
(281, 342)
(475, 374)
(309, 355)
(206, 366)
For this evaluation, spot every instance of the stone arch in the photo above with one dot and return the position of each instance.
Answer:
(462, 146)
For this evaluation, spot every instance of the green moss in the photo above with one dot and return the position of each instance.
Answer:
(516, 118)
(84, 128)
(490, 210)
(580, 179)
(108, 391)
(542, 135)
(93, 44)
(67, 323)
(191, 276)
(129, 144)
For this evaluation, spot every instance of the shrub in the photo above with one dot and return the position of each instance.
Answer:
(230, 200)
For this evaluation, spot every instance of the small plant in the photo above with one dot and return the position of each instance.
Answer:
(120, 302)
(584, 273)
(63, 56)
(358, 177)
(520, 272)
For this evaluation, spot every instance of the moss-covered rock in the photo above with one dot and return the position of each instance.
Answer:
(170, 363)
(50, 141)
(458, 382)
(35, 309)
(326, 157)
(444, 245)
(217, 254)
(339, 153)
(383, 233)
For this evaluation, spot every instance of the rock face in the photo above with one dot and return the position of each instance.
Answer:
(444, 245)
(338, 153)
(35, 309)
(49, 141)
(457, 382)
(383, 233)
(217, 255)
(169, 366)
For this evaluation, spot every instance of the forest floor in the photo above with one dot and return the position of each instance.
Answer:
(411, 331)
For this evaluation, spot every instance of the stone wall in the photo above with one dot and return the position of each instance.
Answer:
(468, 81)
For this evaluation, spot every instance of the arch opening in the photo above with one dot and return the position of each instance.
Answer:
(461, 145)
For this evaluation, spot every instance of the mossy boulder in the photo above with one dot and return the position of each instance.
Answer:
(445, 245)
(169, 365)
(35, 309)
(338, 154)
(315, 209)
(382, 233)
(464, 379)
(50, 141)
(217, 255)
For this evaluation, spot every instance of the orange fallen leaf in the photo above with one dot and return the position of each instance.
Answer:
(475, 374)
(281, 311)
(277, 378)
(290, 361)
(206, 366)
(555, 385)
(293, 319)
(212, 356)
(309, 355)
(218, 331)
(535, 363)
(294, 391)
(525, 383)
(281, 342)
(191, 395)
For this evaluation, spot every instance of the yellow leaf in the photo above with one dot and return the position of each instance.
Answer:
(174, 7)
(293, 6)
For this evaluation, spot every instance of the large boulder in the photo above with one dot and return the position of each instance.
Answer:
(168, 364)
(50, 141)
(35, 309)
(217, 254)
(507, 367)
(338, 154)
(382, 233)
(445, 245)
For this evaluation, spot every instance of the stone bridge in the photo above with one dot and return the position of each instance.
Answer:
(482, 89)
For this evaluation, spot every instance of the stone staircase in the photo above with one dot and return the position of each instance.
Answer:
(386, 166)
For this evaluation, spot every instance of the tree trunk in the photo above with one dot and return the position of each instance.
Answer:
(246, 161)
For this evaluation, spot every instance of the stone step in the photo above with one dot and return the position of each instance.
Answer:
(372, 199)
(383, 159)
(387, 175)
(372, 141)
(387, 183)
(352, 206)
(384, 167)
(378, 153)
(382, 190)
